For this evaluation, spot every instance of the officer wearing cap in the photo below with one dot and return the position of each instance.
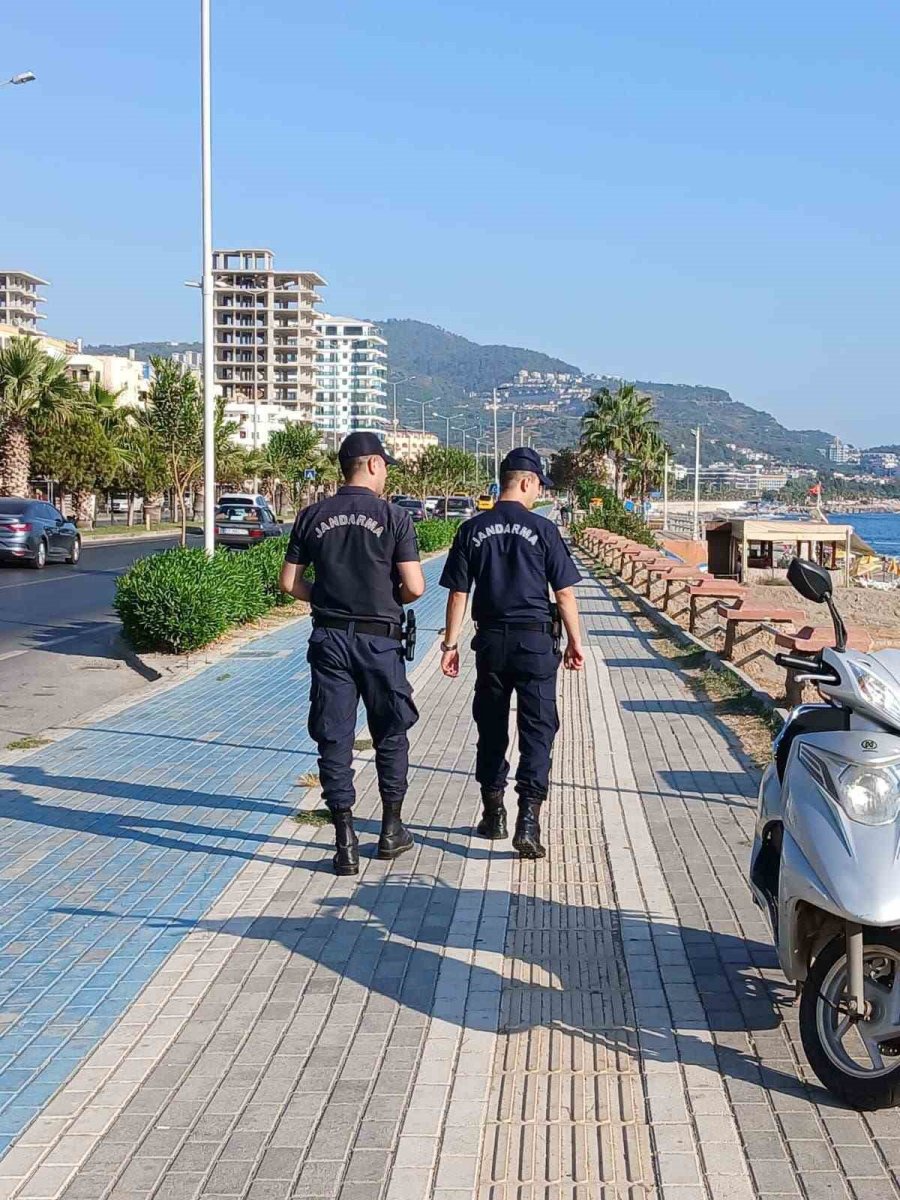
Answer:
(510, 555)
(366, 563)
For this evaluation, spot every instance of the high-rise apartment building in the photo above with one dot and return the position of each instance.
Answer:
(19, 299)
(265, 332)
(351, 376)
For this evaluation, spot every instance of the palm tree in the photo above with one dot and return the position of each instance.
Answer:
(646, 462)
(612, 424)
(35, 390)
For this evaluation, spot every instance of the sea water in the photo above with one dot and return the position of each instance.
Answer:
(880, 530)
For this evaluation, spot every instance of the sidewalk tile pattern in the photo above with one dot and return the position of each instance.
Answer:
(457, 1024)
(154, 810)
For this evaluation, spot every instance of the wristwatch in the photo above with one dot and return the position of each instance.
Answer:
(445, 649)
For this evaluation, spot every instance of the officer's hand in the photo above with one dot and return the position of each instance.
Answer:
(573, 659)
(450, 663)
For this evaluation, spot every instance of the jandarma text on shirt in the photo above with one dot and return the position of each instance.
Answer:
(358, 519)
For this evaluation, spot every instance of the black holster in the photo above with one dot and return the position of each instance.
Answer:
(409, 636)
(555, 627)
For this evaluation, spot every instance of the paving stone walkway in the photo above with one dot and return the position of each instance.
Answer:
(454, 1025)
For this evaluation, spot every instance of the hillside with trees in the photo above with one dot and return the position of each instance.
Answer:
(443, 370)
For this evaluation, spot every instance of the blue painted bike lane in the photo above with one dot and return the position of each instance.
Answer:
(155, 809)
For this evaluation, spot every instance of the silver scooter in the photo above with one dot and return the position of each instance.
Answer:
(825, 856)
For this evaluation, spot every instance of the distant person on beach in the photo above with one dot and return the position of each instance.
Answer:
(510, 555)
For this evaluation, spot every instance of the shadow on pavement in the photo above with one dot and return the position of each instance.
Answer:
(387, 936)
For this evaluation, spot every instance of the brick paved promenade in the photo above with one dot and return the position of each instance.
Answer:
(193, 1005)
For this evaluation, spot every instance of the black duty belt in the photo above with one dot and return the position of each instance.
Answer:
(349, 625)
(521, 626)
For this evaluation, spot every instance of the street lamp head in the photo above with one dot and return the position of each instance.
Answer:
(24, 77)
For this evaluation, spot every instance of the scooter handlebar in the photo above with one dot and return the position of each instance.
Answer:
(798, 662)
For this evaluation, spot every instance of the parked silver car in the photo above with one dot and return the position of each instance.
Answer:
(34, 532)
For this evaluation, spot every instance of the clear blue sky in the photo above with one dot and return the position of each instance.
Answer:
(697, 191)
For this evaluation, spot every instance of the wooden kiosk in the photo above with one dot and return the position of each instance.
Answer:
(738, 546)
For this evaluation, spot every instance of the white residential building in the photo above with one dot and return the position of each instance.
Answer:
(407, 444)
(257, 422)
(128, 378)
(351, 376)
(265, 332)
(19, 300)
(840, 452)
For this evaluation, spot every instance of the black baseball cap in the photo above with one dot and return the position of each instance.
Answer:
(361, 445)
(523, 458)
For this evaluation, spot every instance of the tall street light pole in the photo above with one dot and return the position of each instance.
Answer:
(512, 432)
(697, 484)
(495, 405)
(446, 420)
(665, 512)
(209, 404)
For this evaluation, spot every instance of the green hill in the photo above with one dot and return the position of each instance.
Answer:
(427, 351)
(452, 375)
(724, 422)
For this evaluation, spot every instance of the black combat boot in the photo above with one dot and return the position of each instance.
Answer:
(346, 859)
(527, 835)
(493, 819)
(395, 838)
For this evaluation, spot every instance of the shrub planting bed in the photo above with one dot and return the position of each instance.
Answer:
(435, 535)
(181, 600)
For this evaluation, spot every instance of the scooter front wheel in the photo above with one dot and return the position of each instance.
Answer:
(857, 1060)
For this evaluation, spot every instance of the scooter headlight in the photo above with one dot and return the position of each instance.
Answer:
(876, 690)
(870, 795)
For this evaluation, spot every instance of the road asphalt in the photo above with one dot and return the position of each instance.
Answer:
(59, 651)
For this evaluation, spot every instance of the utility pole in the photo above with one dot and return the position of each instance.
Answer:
(697, 484)
(495, 406)
(665, 517)
(209, 403)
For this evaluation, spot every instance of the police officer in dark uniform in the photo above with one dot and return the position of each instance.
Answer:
(366, 563)
(510, 555)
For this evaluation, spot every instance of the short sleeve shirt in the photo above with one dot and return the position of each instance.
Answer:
(509, 555)
(354, 541)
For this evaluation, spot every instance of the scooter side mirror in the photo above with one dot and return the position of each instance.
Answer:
(810, 580)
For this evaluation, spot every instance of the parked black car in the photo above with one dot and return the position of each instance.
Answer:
(239, 525)
(415, 508)
(34, 532)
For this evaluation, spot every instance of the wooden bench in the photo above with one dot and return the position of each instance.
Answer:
(756, 615)
(812, 639)
(639, 559)
(618, 551)
(714, 589)
(667, 573)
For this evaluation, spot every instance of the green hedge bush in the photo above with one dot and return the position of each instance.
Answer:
(436, 534)
(181, 600)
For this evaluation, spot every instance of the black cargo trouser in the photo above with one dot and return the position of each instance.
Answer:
(344, 668)
(510, 660)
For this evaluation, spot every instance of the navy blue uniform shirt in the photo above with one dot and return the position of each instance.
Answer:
(510, 555)
(354, 540)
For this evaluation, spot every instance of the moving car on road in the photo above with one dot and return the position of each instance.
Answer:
(36, 532)
(241, 525)
(484, 502)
